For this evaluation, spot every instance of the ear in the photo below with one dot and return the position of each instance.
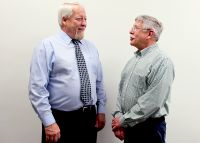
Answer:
(150, 34)
(64, 19)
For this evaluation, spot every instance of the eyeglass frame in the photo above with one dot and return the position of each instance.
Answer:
(138, 28)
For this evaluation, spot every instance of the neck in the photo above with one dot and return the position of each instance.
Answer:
(149, 43)
(68, 33)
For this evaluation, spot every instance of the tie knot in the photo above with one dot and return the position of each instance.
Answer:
(75, 41)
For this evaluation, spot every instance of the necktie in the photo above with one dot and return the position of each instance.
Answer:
(85, 92)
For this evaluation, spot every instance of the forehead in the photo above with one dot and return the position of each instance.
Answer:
(138, 23)
(78, 11)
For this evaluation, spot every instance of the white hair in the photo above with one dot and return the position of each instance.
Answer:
(151, 23)
(65, 10)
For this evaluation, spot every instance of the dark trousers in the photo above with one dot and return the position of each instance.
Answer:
(153, 130)
(76, 126)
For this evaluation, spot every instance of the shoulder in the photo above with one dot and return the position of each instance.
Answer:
(161, 58)
(47, 41)
(159, 54)
(164, 56)
(45, 45)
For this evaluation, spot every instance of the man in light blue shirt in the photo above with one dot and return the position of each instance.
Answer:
(54, 85)
(145, 86)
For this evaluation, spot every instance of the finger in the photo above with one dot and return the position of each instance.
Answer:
(59, 136)
(47, 139)
(121, 135)
(113, 120)
(113, 124)
(56, 139)
(114, 128)
(96, 125)
(102, 124)
(51, 139)
(117, 133)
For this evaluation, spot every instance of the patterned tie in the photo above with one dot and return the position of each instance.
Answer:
(83, 73)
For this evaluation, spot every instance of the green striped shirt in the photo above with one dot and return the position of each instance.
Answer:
(144, 89)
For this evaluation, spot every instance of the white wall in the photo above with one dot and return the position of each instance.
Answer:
(24, 23)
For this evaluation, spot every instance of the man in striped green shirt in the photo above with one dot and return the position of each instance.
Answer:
(145, 86)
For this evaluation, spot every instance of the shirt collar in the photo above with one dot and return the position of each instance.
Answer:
(66, 37)
(146, 50)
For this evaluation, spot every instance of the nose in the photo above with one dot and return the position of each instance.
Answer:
(84, 22)
(131, 31)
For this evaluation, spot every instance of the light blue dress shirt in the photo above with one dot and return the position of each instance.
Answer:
(145, 87)
(54, 78)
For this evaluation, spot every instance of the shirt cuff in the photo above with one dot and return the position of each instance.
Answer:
(100, 109)
(48, 119)
(122, 122)
(117, 114)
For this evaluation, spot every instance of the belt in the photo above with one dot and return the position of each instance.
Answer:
(87, 108)
(148, 122)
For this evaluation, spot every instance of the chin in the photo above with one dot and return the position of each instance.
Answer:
(131, 43)
(80, 36)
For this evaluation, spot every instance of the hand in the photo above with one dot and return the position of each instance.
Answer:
(117, 129)
(115, 123)
(119, 133)
(100, 121)
(52, 133)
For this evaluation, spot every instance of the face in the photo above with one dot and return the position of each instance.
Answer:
(138, 36)
(75, 25)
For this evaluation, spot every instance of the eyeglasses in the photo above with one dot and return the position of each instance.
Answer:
(134, 28)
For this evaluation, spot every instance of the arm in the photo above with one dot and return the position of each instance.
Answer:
(101, 99)
(38, 93)
(39, 77)
(116, 125)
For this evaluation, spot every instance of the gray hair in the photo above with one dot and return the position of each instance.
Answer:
(151, 23)
(65, 10)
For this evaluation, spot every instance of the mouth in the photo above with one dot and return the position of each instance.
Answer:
(81, 29)
(131, 38)
(79, 33)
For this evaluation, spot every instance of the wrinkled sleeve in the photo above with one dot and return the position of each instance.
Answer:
(38, 81)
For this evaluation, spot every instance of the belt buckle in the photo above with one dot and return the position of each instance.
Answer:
(85, 108)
